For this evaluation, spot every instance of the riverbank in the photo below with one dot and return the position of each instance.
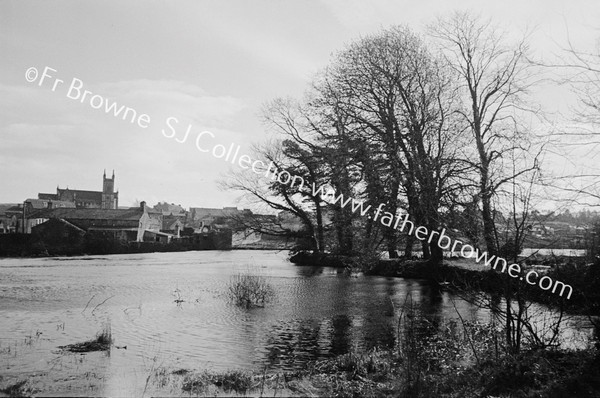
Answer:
(171, 320)
(384, 374)
(452, 361)
(465, 275)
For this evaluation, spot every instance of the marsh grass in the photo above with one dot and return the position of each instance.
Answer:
(101, 342)
(374, 364)
(234, 380)
(249, 289)
(18, 389)
(439, 371)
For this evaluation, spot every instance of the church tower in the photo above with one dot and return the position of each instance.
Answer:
(110, 198)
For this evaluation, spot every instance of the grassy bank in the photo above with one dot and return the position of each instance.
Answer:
(454, 360)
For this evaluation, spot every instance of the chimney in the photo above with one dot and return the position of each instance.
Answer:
(143, 205)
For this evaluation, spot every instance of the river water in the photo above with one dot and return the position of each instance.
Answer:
(171, 310)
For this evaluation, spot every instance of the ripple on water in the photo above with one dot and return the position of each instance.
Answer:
(316, 313)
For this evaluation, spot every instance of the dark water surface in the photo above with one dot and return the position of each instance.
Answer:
(317, 313)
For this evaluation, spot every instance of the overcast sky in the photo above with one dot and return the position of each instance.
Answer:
(211, 64)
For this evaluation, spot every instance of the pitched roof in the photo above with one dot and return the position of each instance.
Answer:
(201, 212)
(132, 214)
(47, 203)
(47, 196)
(171, 221)
(82, 195)
(204, 211)
(62, 203)
(38, 203)
(14, 209)
(6, 206)
(58, 220)
(167, 208)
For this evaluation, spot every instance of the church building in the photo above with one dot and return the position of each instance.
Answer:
(105, 199)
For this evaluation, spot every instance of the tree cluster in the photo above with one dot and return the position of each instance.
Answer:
(429, 125)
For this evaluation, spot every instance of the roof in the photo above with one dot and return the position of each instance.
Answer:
(166, 208)
(82, 195)
(147, 231)
(58, 220)
(45, 203)
(171, 221)
(133, 214)
(7, 206)
(14, 209)
(204, 211)
(173, 218)
(47, 196)
(38, 203)
(200, 212)
(62, 203)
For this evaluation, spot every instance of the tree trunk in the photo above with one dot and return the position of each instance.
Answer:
(319, 233)
(488, 225)
(391, 240)
(408, 249)
(437, 254)
(425, 248)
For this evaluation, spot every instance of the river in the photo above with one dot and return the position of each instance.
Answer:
(171, 310)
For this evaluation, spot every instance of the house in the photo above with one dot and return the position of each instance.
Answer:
(31, 213)
(172, 224)
(290, 221)
(228, 217)
(174, 218)
(157, 236)
(542, 230)
(10, 215)
(57, 232)
(123, 224)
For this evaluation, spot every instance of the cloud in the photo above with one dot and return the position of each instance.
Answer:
(50, 137)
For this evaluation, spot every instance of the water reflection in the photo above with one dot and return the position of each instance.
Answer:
(317, 313)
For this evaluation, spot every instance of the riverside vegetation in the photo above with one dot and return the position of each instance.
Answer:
(434, 126)
(427, 356)
(448, 359)
(249, 289)
(101, 342)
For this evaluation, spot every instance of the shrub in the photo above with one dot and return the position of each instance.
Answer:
(102, 342)
(249, 290)
(18, 389)
(233, 380)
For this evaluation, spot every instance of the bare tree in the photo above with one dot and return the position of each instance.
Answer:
(493, 79)
(579, 136)
(584, 78)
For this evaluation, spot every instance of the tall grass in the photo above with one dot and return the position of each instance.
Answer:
(104, 337)
(230, 381)
(101, 342)
(250, 290)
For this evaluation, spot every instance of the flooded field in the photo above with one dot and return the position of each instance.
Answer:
(170, 310)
